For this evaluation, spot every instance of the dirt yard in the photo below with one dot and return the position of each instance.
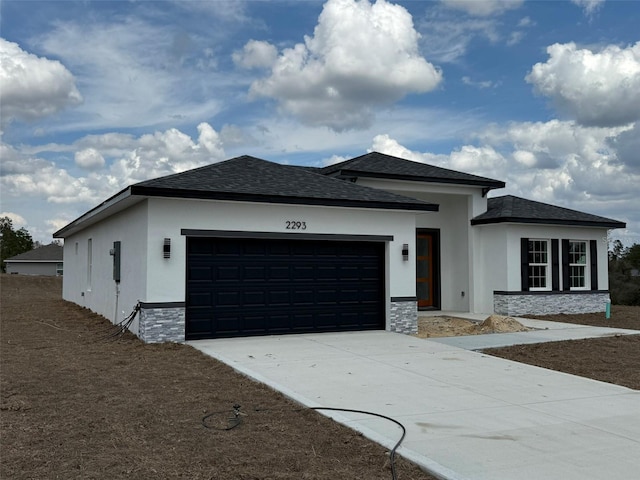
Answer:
(609, 359)
(74, 404)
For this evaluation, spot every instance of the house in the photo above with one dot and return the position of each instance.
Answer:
(250, 247)
(45, 260)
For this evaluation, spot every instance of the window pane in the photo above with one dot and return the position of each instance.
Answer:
(538, 276)
(578, 253)
(538, 251)
(578, 277)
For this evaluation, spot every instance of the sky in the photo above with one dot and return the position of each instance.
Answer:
(98, 95)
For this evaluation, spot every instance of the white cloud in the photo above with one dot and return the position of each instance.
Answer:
(361, 56)
(627, 146)
(256, 54)
(589, 6)
(385, 144)
(596, 88)
(89, 159)
(484, 160)
(56, 224)
(526, 22)
(445, 37)
(133, 74)
(483, 8)
(149, 156)
(165, 153)
(17, 220)
(556, 162)
(478, 84)
(332, 160)
(33, 87)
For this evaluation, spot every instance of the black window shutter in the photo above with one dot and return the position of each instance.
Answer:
(566, 275)
(524, 264)
(555, 265)
(593, 256)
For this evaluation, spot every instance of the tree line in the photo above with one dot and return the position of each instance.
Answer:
(13, 242)
(624, 274)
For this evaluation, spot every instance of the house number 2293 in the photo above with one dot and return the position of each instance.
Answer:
(295, 225)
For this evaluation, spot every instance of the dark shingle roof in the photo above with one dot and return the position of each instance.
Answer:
(380, 165)
(248, 178)
(48, 253)
(520, 210)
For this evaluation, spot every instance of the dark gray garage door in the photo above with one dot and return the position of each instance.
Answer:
(241, 287)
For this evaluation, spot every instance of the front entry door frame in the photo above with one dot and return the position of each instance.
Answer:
(434, 257)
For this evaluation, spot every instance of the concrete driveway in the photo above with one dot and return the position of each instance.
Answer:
(467, 415)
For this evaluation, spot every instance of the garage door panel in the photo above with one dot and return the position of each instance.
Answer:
(201, 273)
(199, 299)
(226, 272)
(254, 272)
(254, 299)
(279, 298)
(279, 272)
(225, 298)
(239, 287)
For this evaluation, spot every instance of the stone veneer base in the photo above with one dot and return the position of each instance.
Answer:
(537, 303)
(158, 323)
(404, 316)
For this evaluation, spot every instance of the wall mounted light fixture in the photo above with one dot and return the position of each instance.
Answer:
(405, 251)
(166, 248)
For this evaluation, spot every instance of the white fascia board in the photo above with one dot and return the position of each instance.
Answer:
(118, 202)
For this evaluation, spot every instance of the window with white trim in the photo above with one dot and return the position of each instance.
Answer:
(539, 268)
(578, 264)
(89, 262)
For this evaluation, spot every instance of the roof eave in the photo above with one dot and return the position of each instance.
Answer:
(572, 223)
(32, 261)
(79, 223)
(491, 184)
(289, 200)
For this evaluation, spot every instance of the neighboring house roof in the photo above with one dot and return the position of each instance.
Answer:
(251, 179)
(520, 210)
(47, 253)
(379, 165)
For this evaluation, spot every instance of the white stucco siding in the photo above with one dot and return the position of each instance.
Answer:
(457, 205)
(99, 294)
(452, 222)
(167, 217)
(491, 254)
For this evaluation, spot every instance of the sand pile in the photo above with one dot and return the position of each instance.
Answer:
(444, 326)
(502, 324)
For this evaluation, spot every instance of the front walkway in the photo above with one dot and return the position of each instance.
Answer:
(468, 415)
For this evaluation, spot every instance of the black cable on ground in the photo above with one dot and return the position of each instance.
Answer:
(237, 420)
(233, 421)
(392, 453)
(122, 327)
